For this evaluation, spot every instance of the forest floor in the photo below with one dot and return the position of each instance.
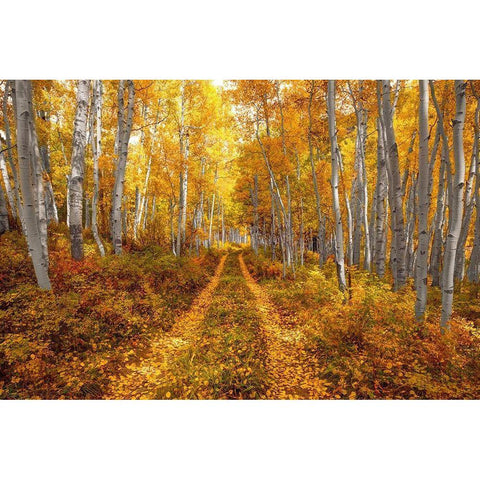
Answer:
(232, 343)
(223, 325)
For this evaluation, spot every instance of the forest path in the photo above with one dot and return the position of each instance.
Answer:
(154, 372)
(231, 344)
(292, 372)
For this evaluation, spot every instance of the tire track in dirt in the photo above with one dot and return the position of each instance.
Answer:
(145, 379)
(292, 372)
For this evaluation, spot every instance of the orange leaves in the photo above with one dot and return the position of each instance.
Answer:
(74, 342)
(371, 347)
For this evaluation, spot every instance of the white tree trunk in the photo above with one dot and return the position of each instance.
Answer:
(25, 149)
(339, 255)
(50, 204)
(380, 207)
(8, 187)
(77, 169)
(423, 204)
(456, 210)
(96, 144)
(38, 187)
(124, 129)
(473, 271)
(314, 174)
(10, 89)
(395, 187)
(360, 183)
(183, 176)
(469, 203)
(444, 195)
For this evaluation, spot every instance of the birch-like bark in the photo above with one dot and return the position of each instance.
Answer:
(411, 220)
(288, 232)
(380, 206)
(255, 227)
(361, 183)
(67, 177)
(124, 129)
(421, 270)
(183, 187)
(339, 255)
(25, 149)
(10, 91)
(444, 194)
(38, 186)
(276, 196)
(456, 210)
(473, 271)
(212, 208)
(469, 202)
(77, 169)
(199, 211)
(50, 204)
(395, 186)
(273, 223)
(318, 204)
(8, 186)
(289, 228)
(96, 144)
(136, 219)
(438, 226)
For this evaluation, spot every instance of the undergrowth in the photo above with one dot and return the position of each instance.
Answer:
(70, 342)
(370, 345)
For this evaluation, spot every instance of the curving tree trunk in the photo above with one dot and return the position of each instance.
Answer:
(75, 180)
(444, 193)
(26, 153)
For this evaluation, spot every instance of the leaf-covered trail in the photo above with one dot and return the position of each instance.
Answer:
(155, 371)
(292, 371)
(232, 343)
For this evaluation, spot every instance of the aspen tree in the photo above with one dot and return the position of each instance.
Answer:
(339, 255)
(456, 210)
(96, 144)
(423, 204)
(473, 271)
(395, 189)
(75, 179)
(25, 148)
(124, 129)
